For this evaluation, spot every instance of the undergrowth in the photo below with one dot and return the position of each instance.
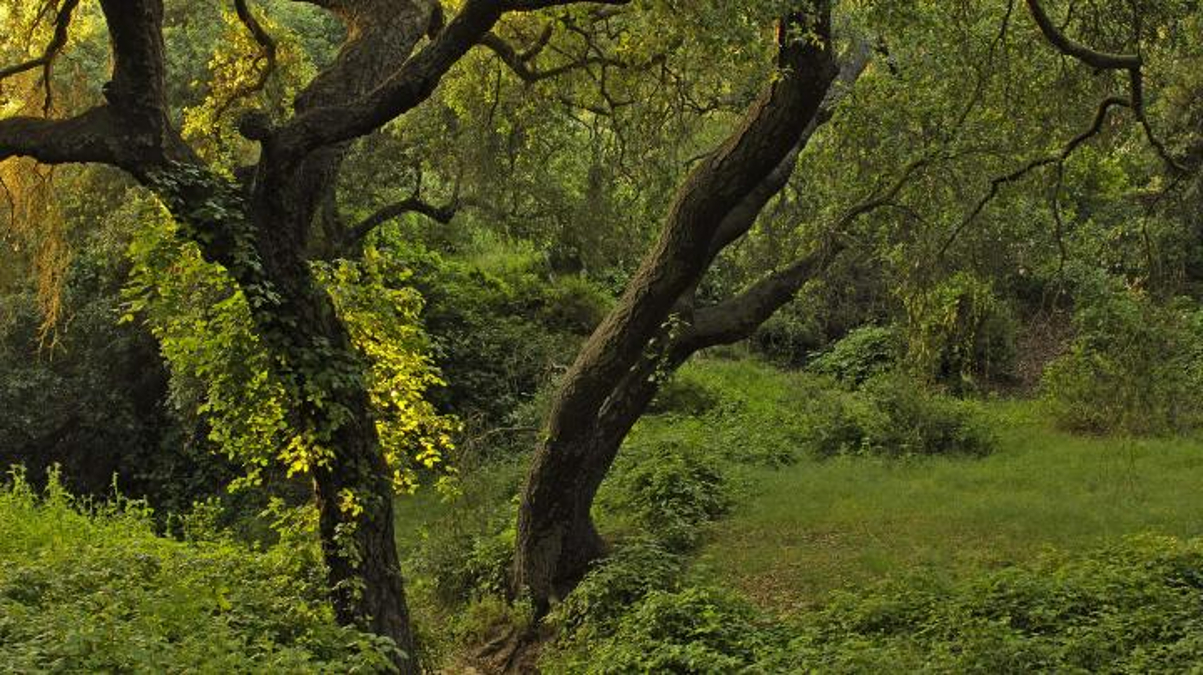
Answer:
(91, 588)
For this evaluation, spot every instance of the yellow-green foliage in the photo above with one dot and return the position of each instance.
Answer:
(92, 589)
(959, 331)
(237, 83)
(384, 322)
(221, 369)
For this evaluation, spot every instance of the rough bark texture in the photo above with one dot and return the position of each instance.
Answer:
(616, 374)
(264, 230)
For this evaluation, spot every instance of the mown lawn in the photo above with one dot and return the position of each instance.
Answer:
(807, 529)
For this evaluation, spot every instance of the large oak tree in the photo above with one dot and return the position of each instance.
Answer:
(260, 226)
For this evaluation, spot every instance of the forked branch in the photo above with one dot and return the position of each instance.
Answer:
(1132, 63)
(1058, 158)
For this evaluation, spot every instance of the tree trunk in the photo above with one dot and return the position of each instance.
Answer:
(557, 539)
(360, 549)
(261, 230)
(315, 352)
(618, 370)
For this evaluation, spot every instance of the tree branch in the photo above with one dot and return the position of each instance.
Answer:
(91, 137)
(57, 41)
(520, 63)
(267, 52)
(440, 214)
(744, 215)
(137, 91)
(996, 183)
(1100, 60)
(132, 130)
(410, 85)
(767, 134)
(1132, 63)
(738, 317)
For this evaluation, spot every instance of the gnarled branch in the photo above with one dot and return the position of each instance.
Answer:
(91, 137)
(520, 63)
(440, 214)
(1132, 63)
(1057, 158)
(410, 85)
(1096, 59)
(738, 317)
(267, 55)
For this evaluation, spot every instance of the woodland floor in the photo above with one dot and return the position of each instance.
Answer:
(816, 526)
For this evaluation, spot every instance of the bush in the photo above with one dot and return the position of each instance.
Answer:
(684, 394)
(1132, 607)
(468, 551)
(960, 333)
(892, 416)
(747, 418)
(694, 630)
(790, 336)
(574, 304)
(669, 489)
(96, 400)
(1133, 366)
(94, 590)
(861, 354)
(637, 567)
(500, 327)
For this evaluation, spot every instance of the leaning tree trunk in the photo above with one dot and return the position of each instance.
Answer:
(557, 539)
(654, 327)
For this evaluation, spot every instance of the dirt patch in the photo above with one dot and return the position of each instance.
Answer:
(1043, 338)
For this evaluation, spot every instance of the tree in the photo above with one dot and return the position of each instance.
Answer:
(260, 225)
(617, 372)
(658, 323)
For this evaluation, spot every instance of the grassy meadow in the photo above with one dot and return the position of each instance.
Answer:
(815, 526)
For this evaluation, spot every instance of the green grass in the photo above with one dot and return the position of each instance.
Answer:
(818, 526)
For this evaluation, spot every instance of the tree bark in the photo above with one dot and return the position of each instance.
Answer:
(618, 371)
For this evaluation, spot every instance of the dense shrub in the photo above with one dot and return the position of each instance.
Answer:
(573, 304)
(734, 411)
(1133, 366)
(467, 552)
(668, 489)
(94, 590)
(692, 630)
(894, 416)
(637, 567)
(861, 354)
(684, 394)
(501, 327)
(790, 335)
(1132, 607)
(92, 397)
(960, 333)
